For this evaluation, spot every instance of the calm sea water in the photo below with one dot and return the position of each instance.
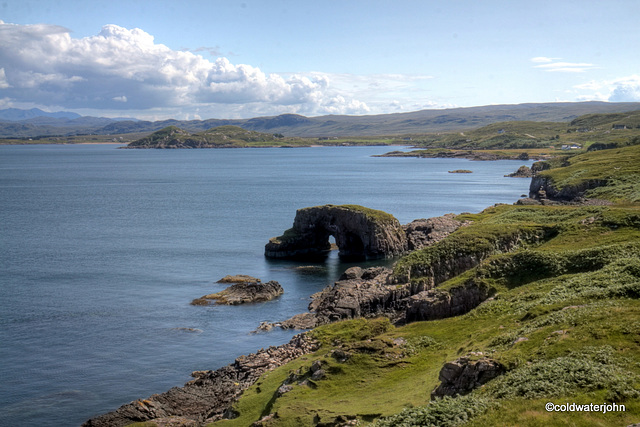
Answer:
(102, 249)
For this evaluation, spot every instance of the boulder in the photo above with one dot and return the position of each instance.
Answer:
(463, 375)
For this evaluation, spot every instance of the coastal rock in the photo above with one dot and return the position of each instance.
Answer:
(425, 232)
(242, 293)
(439, 304)
(359, 232)
(543, 188)
(209, 396)
(522, 172)
(463, 375)
(239, 278)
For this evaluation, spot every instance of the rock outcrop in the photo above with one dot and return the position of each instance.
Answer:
(425, 232)
(209, 396)
(522, 172)
(463, 375)
(543, 188)
(360, 233)
(242, 293)
(439, 304)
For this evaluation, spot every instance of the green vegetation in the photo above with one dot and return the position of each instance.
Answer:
(541, 140)
(218, 137)
(618, 168)
(562, 320)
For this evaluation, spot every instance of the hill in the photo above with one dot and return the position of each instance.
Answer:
(219, 137)
(15, 114)
(418, 122)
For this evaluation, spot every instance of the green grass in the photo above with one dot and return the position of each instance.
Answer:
(618, 168)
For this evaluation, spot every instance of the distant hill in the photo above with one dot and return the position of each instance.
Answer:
(218, 137)
(294, 125)
(15, 114)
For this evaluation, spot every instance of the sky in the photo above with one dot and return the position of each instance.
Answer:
(200, 59)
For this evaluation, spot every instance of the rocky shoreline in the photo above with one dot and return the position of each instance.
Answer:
(370, 292)
(210, 395)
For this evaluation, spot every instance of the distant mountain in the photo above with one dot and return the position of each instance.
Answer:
(15, 114)
(294, 125)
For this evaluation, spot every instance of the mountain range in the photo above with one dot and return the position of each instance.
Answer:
(16, 123)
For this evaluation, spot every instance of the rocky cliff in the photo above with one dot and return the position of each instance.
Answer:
(359, 232)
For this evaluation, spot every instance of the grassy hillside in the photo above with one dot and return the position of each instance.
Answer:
(219, 137)
(615, 129)
(616, 168)
(562, 320)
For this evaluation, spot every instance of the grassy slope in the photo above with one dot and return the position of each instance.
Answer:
(536, 138)
(619, 167)
(564, 320)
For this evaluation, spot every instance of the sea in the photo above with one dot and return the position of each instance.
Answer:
(102, 249)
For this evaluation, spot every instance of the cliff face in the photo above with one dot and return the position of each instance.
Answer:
(543, 188)
(360, 233)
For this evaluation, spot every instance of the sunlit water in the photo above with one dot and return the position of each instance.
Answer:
(102, 250)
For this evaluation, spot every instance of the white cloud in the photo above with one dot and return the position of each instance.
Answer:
(3, 80)
(126, 69)
(566, 67)
(542, 59)
(626, 89)
(623, 89)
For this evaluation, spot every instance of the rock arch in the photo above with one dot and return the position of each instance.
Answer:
(359, 232)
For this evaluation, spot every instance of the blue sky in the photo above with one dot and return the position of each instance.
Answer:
(230, 59)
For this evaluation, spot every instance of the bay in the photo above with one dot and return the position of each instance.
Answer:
(102, 250)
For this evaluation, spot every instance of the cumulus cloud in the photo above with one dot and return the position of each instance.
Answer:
(122, 68)
(623, 89)
(626, 89)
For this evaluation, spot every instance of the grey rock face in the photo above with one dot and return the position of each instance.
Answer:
(360, 233)
(462, 376)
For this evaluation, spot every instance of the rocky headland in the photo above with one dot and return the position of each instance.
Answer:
(360, 233)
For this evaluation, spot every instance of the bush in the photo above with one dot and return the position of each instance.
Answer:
(448, 411)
